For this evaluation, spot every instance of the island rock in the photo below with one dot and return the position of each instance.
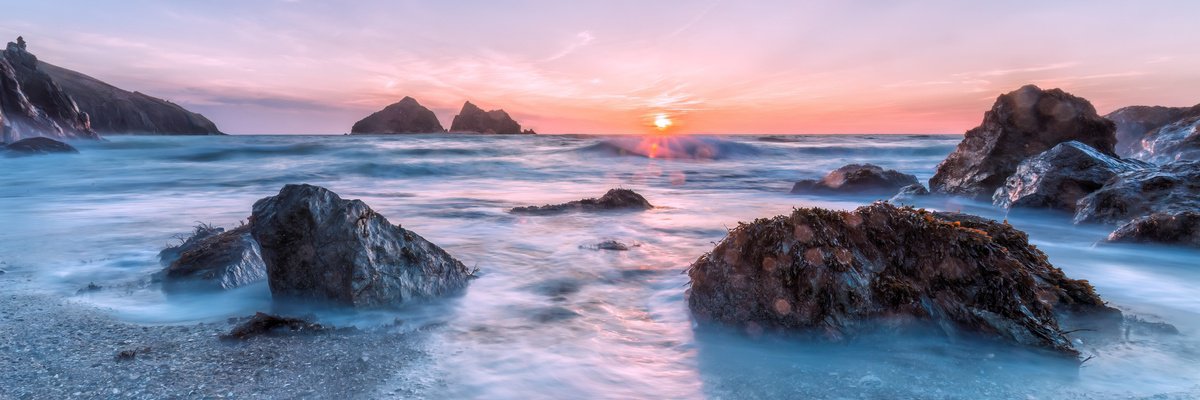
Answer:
(474, 119)
(405, 116)
(857, 179)
(1059, 177)
(614, 199)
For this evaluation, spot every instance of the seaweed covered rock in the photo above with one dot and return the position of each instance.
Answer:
(1181, 228)
(1134, 122)
(38, 145)
(614, 199)
(473, 119)
(404, 116)
(857, 179)
(1021, 124)
(836, 274)
(317, 245)
(217, 260)
(201, 232)
(1170, 189)
(1059, 177)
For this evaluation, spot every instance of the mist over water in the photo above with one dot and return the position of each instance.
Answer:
(550, 316)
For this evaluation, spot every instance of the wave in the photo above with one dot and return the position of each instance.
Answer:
(669, 147)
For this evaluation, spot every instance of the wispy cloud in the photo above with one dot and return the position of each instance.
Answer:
(581, 39)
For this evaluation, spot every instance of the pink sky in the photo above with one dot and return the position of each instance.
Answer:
(610, 66)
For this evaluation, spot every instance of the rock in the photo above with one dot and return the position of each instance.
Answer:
(39, 145)
(528, 132)
(1169, 189)
(32, 104)
(265, 324)
(1020, 124)
(474, 119)
(857, 179)
(1134, 122)
(201, 232)
(837, 274)
(909, 193)
(90, 288)
(1059, 177)
(405, 116)
(1181, 228)
(614, 199)
(1176, 141)
(222, 261)
(317, 245)
(612, 245)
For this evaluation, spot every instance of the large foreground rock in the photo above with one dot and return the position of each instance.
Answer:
(32, 104)
(405, 116)
(1020, 125)
(38, 145)
(1182, 228)
(317, 245)
(474, 119)
(1170, 189)
(857, 179)
(835, 274)
(214, 259)
(614, 199)
(1134, 122)
(1059, 177)
(1176, 141)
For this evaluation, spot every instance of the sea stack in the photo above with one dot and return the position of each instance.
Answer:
(476, 120)
(405, 116)
(32, 104)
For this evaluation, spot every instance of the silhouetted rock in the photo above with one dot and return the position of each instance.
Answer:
(909, 193)
(1059, 177)
(836, 274)
(38, 145)
(265, 324)
(317, 245)
(405, 116)
(1176, 141)
(32, 104)
(856, 179)
(1134, 122)
(528, 132)
(1170, 189)
(474, 119)
(221, 261)
(1182, 228)
(1020, 124)
(614, 199)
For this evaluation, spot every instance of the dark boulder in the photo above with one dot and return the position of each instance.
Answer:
(857, 179)
(1059, 177)
(474, 119)
(1020, 124)
(266, 324)
(909, 193)
(39, 145)
(1170, 189)
(32, 104)
(614, 199)
(201, 232)
(837, 274)
(317, 245)
(1134, 122)
(1181, 228)
(405, 116)
(223, 260)
(1176, 141)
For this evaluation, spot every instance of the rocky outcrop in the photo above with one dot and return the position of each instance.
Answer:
(909, 194)
(405, 116)
(38, 145)
(474, 119)
(1169, 189)
(1181, 228)
(837, 274)
(857, 179)
(116, 111)
(614, 199)
(1020, 124)
(1134, 122)
(1059, 177)
(32, 104)
(220, 260)
(317, 245)
(1176, 141)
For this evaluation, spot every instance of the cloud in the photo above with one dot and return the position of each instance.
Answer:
(581, 39)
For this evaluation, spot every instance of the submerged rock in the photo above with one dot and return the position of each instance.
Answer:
(612, 245)
(39, 145)
(1181, 228)
(909, 193)
(265, 324)
(857, 179)
(221, 261)
(1059, 177)
(614, 199)
(836, 274)
(1020, 124)
(405, 116)
(317, 245)
(1178, 140)
(473, 119)
(1170, 189)
(1134, 122)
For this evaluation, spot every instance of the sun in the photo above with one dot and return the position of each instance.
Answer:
(662, 122)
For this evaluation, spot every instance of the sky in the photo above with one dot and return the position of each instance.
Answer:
(609, 67)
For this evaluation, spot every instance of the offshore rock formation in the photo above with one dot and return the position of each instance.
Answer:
(32, 104)
(317, 245)
(1020, 124)
(909, 194)
(1059, 177)
(1170, 189)
(836, 274)
(857, 179)
(37, 145)
(614, 199)
(1176, 141)
(216, 260)
(1134, 122)
(1181, 228)
(405, 116)
(474, 119)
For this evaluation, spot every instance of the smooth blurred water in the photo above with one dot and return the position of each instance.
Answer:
(551, 317)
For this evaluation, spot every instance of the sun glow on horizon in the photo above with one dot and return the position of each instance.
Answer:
(662, 122)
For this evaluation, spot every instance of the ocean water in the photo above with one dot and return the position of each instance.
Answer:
(550, 316)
